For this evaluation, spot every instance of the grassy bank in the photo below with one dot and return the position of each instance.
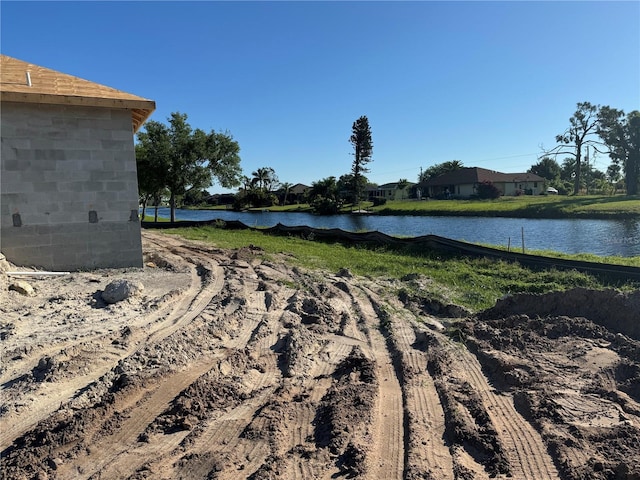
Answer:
(474, 283)
(552, 206)
(151, 218)
(528, 206)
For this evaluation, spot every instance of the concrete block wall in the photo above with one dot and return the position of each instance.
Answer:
(69, 191)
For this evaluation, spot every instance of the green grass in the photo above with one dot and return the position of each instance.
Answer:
(471, 282)
(526, 206)
(584, 257)
(151, 218)
(536, 206)
(206, 207)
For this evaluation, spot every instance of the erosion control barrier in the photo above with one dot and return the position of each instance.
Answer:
(434, 242)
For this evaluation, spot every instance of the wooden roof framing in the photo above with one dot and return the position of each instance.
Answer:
(28, 83)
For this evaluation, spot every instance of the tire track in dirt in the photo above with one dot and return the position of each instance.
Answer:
(332, 354)
(176, 315)
(527, 453)
(264, 441)
(388, 451)
(427, 453)
(223, 435)
(207, 280)
(258, 333)
(115, 450)
(127, 459)
(428, 450)
(109, 447)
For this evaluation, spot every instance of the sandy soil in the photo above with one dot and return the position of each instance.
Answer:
(228, 366)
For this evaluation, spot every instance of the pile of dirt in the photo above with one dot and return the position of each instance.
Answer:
(576, 381)
(615, 310)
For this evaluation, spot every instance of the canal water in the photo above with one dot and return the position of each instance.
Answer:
(600, 237)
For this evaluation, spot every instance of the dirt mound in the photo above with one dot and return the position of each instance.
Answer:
(617, 311)
(575, 381)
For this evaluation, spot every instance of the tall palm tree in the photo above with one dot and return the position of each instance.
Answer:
(264, 178)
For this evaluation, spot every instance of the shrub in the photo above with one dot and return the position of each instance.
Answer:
(325, 206)
(487, 190)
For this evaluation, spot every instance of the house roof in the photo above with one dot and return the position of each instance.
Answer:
(392, 186)
(55, 88)
(298, 188)
(473, 175)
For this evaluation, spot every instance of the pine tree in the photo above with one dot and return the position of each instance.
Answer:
(363, 150)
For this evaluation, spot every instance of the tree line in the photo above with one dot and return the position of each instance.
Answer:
(179, 163)
(175, 161)
(604, 130)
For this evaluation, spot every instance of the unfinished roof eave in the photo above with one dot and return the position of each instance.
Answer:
(141, 109)
(24, 82)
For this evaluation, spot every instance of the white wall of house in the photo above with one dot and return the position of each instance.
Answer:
(464, 190)
(512, 188)
(69, 194)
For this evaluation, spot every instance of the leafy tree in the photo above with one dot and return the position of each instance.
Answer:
(195, 197)
(363, 150)
(439, 169)
(151, 167)
(182, 159)
(222, 154)
(323, 196)
(582, 128)
(347, 187)
(613, 176)
(245, 183)
(258, 191)
(547, 168)
(622, 137)
(403, 183)
(597, 180)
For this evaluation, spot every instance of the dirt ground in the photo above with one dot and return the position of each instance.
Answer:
(227, 366)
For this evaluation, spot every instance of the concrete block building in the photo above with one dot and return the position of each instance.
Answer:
(68, 180)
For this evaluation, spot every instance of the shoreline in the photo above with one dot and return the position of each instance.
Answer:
(596, 207)
(549, 215)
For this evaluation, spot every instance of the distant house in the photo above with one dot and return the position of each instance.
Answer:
(392, 191)
(69, 191)
(463, 183)
(297, 193)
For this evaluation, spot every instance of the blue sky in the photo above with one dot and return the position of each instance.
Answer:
(482, 82)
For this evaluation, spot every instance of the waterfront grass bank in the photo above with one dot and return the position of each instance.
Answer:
(526, 206)
(475, 283)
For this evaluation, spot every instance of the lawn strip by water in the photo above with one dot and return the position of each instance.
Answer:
(475, 283)
(525, 206)
(588, 206)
